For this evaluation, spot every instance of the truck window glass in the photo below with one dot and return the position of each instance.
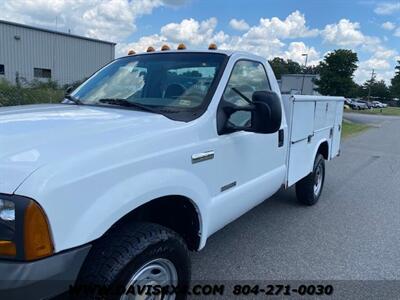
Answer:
(167, 80)
(247, 77)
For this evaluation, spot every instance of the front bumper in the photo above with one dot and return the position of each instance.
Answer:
(41, 279)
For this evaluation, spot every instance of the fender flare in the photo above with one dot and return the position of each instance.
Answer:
(324, 140)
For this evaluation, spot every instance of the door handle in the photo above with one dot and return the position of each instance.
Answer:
(281, 137)
(203, 156)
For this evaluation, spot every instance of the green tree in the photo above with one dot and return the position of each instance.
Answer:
(357, 91)
(395, 88)
(337, 72)
(379, 89)
(281, 67)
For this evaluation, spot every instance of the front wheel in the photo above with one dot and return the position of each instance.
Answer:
(134, 261)
(309, 189)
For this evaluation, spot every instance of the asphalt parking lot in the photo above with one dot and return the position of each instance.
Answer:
(353, 233)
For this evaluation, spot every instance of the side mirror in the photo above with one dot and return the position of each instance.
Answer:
(263, 115)
(267, 117)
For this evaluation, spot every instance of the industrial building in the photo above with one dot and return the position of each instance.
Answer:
(28, 53)
(299, 84)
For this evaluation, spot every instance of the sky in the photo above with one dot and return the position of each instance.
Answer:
(270, 28)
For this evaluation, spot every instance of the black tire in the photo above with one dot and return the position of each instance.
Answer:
(305, 188)
(126, 249)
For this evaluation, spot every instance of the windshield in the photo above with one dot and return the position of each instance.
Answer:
(164, 81)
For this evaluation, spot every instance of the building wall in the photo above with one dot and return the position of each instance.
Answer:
(292, 83)
(70, 58)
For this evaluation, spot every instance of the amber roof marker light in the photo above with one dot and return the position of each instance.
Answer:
(213, 46)
(131, 52)
(150, 49)
(165, 48)
(181, 46)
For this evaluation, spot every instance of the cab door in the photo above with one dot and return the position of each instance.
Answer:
(251, 165)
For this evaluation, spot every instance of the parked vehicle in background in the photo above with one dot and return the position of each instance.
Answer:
(146, 160)
(367, 103)
(378, 104)
(349, 103)
(358, 105)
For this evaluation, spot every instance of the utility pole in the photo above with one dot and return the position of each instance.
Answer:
(370, 83)
(304, 71)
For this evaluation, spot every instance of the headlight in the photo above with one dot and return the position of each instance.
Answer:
(7, 228)
(7, 210)
(24, 230)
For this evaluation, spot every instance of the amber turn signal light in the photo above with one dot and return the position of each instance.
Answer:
(7, 248)
(37, 240)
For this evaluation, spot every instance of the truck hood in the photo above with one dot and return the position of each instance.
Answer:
(35, 135)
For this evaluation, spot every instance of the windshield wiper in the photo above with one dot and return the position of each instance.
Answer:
(126, 103)
(73, 99)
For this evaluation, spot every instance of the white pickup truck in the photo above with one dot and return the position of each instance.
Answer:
(144, 161)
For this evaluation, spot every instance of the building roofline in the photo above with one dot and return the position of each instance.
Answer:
(55, 32)
(300, 75)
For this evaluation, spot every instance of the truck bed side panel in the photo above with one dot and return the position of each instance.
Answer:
(337, 130)
(312, 121)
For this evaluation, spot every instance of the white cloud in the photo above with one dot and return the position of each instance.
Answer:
(265, 39)
(294, 26)
(381, 62)
(111, 20)
(388, 26)
(192, 31)
(384, 53)
(195, 34)
(363, 74)
(239, 25)
(347, 34)
(296, 50)
(115, 20)
(141, 45)
(387, 8)
(375, 63)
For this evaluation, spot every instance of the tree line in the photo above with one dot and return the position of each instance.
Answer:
(336, 76)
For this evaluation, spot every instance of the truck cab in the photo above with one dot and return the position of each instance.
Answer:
(148, 158)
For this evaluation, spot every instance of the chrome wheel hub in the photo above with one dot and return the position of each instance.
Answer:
(318, 179)
(158, 272)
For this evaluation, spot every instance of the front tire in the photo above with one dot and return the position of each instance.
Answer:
(136, 254)
(309, 189)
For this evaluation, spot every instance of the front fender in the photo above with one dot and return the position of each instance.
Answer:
(80, 212)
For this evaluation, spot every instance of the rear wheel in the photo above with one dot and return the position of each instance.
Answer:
(309, 189)
(131, 257)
